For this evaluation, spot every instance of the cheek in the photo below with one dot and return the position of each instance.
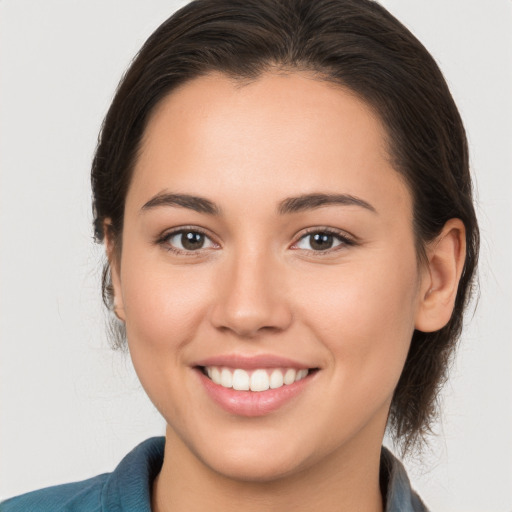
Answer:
(163, 304)
(164, 308)
(364, 314)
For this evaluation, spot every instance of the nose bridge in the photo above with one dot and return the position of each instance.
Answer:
(251, 295)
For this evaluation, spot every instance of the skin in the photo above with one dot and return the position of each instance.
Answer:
(258, 287)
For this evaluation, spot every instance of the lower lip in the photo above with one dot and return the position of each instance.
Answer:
(252, 403)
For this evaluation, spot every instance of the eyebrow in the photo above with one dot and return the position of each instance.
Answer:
(286, 206)
(198, 204)
(312, 201)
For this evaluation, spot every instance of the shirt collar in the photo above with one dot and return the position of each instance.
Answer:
(129, 486)
(395, 485)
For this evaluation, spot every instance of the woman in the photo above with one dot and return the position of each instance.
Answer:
(283, 191)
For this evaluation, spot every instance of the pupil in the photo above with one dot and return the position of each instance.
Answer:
(191, 240)
(321, 241)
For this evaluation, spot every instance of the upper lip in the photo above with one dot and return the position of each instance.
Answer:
(252, 362)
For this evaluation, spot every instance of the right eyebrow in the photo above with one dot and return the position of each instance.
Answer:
(313, 201)
(196, 203)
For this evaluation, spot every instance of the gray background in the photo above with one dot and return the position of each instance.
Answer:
(70, 407)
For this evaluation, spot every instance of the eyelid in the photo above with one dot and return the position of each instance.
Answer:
(163, 238)
(346, 239)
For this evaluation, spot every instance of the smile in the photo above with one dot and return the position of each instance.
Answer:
(254, 380)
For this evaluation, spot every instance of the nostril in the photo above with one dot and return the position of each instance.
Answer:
(250, 305)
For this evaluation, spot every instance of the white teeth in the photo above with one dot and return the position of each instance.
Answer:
(289, 376)
(301, 374)
(276, 379)
(226, 378)
(257, 380)
(215, 374)
(241, 380)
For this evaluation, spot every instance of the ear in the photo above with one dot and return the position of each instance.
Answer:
(446, 256)
(114, 262)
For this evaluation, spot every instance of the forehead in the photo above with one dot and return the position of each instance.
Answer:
(280, 134)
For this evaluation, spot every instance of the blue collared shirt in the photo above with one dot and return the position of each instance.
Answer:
(128, 487)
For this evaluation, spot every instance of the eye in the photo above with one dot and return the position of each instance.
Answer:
(187, 240)
(320, 241)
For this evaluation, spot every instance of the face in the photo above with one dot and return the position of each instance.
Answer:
(267, 245)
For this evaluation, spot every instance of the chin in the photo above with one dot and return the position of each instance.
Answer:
(256, 460)
(255, 468)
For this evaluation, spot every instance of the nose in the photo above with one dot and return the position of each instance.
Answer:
(251, 297)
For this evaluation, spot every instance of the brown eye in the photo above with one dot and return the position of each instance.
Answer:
(192, 241)
(321, 241)
(188, 240)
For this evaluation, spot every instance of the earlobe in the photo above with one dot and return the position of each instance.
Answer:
(446, 256)
(114, 261)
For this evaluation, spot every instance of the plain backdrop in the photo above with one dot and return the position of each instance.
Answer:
(70, 407)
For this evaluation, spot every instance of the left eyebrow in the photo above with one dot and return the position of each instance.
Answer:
(312, 201)
(199, 204)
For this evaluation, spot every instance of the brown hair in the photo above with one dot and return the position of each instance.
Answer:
(358, 45)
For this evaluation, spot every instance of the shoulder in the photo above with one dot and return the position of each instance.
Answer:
(127, 488)
(396, 487)
(76, 496)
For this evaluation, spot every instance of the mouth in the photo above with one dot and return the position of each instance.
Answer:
(253, 390)
(255, 380)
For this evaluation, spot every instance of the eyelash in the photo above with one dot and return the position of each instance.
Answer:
(164, 240)
(345, 241)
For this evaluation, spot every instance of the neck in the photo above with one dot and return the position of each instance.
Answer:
(345, 481)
